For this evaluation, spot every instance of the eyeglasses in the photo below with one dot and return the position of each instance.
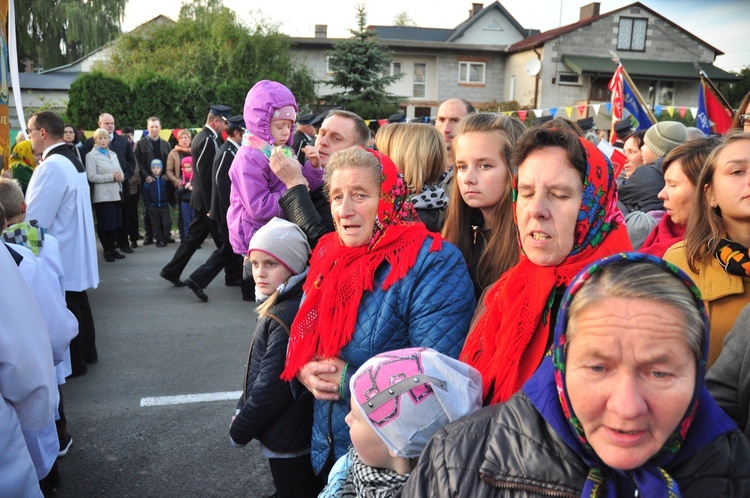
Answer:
(744, 118)
(29, 130)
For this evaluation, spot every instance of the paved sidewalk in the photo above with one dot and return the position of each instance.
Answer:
(156, 340)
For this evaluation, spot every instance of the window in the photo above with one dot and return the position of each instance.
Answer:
(471, 72)
(569, 79)
(512, 89)
(328, 64)
(395, 68)
(420, 80)
(661, 93)
(632, 34)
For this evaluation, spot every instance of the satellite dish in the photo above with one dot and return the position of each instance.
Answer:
(533, 67)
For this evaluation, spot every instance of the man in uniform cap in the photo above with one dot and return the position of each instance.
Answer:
(223, 256)
(622, 130)
(203, 149)
(305, 135)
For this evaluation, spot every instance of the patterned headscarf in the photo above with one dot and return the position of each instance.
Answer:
(508, 341)
(339, 275)
(702, 422)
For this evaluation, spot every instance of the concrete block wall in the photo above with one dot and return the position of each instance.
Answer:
(494, 78)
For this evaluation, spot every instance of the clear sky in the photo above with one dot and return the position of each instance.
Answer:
(720, 23)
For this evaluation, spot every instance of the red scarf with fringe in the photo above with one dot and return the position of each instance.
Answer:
(339, 275)
(508, 341)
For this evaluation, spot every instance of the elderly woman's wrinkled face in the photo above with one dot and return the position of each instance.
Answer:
(549, 199)
(630, 376)
(354, 205)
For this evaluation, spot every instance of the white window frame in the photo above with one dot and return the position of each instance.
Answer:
(421, 83)
(468, 65)
(328, 65)
(577, 82)
(400, 68)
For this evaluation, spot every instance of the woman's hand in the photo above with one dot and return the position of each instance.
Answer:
(287, 169)
(322, 377)
(118, 177)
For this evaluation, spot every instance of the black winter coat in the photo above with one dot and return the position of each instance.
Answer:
(270, 414)
(509, 450)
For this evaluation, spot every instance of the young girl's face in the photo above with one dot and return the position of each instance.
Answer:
(370, 448)
(481, 172)
(187, 170)
(268, 273)
(280, 131)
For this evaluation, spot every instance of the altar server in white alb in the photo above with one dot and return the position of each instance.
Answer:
(59, 198)
(28, 390)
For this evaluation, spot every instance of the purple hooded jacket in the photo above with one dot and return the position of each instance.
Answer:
(255, 192)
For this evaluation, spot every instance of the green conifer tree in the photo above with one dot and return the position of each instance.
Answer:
(361, 67)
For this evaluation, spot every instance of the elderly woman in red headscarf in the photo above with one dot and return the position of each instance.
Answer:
(565, 208)
(380, 282)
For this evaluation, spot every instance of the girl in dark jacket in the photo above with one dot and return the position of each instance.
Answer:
(277, 257)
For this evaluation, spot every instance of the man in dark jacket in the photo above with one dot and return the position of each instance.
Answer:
(223, 256)
(203, 150)
(121, 146)
(147, 149)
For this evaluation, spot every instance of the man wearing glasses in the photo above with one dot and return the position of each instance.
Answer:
(58, 197)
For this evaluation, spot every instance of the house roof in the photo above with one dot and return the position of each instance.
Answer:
(464, 26)
(408, 44)
(584, 64)
(412, 33)
(541, 38)
(40, 81)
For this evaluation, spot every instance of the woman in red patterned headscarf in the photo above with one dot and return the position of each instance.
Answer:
(380, 282)
(565, 208)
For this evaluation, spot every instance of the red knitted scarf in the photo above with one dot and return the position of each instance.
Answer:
(339, 275)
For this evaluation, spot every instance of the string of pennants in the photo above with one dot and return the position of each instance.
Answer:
(522, 114)
(164, 134)
(581, 110)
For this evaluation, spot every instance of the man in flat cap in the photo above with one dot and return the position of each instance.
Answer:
(223, 256)
(203, 149)
(304, 136)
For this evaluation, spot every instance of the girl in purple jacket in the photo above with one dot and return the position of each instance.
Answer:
(270, 113)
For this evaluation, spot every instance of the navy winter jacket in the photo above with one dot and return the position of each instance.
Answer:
(431, 306)
(155, 193)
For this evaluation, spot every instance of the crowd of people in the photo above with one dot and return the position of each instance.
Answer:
(474, 308)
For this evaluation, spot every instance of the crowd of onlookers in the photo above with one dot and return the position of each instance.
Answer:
(598, 313)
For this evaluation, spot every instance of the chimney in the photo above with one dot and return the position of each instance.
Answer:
(321, 31)
(589, 10)
(475, 8)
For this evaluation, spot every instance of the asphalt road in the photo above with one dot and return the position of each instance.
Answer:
(157, 340)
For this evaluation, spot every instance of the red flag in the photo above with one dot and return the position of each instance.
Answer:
(683, 110)
(382, 122)
(615, 86)
(581, 110)
(522, 115)
(717, 113)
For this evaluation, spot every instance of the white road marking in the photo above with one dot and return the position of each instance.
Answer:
(190, 398)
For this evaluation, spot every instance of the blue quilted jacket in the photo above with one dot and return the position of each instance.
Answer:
(431, 306)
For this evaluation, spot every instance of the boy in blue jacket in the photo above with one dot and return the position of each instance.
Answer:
(156, 204)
